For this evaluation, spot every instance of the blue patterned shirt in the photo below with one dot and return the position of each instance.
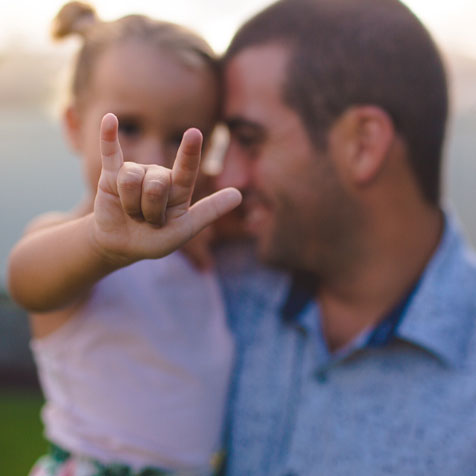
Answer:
(401, 405)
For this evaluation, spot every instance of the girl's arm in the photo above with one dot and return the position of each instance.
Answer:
(140, 212)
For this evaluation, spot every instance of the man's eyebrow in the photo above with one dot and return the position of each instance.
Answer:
(237, 122)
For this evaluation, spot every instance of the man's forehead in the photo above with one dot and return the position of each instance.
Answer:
(254, 80)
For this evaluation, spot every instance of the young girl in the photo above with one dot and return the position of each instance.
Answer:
(133, 353)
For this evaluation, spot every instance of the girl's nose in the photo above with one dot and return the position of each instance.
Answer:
(152, 152)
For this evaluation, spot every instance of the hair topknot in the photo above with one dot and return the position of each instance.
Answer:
(73, 18)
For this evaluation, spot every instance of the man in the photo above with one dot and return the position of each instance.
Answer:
(364, 362)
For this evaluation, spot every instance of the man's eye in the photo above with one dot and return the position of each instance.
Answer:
(247, 140)
(129, 128)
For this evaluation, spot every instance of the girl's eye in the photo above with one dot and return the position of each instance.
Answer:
(129, 127)
(172, 144)
(176, 140)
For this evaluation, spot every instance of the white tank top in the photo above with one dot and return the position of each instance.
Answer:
(139, 375)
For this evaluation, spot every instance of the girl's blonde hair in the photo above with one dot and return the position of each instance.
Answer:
(81, 19)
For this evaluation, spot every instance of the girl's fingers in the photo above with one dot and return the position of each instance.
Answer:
(185, 169)
(129, 188)
(111, 153)
(155, 194)
(209, 209)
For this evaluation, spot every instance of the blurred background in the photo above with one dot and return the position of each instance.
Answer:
(38, 172)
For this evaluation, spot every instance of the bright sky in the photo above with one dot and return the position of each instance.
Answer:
(451, 21)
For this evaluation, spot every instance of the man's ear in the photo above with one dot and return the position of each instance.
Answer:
(365, 135)
(72, 127)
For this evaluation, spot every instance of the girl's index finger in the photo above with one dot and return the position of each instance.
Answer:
(185, 168)
(111, 153)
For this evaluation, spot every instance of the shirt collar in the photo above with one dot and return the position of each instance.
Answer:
(387, 328)
(301, 293)
(441, 317)
(438, 313)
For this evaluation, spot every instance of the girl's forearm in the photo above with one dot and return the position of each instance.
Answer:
(52, 267)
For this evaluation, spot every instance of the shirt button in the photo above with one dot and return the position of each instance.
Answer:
(321, 376)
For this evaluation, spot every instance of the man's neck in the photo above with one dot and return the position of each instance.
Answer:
(396, 259)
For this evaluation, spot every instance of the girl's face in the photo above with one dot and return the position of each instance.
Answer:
(156, 98)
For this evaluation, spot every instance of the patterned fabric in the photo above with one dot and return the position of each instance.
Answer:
(406, 407)
(301, 294)
(60, 462)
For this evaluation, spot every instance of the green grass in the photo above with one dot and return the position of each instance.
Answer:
(21, 440)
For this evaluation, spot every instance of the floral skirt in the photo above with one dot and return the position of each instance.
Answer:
(60, 462)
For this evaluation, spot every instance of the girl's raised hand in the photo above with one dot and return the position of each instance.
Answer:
(143, 211)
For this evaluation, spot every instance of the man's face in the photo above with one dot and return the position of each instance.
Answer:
(293, 199)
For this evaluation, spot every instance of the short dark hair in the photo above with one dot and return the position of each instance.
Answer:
(355, 52)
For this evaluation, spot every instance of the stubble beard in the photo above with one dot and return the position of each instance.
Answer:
(325, 244)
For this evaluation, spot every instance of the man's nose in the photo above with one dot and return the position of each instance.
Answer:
(235, 171)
